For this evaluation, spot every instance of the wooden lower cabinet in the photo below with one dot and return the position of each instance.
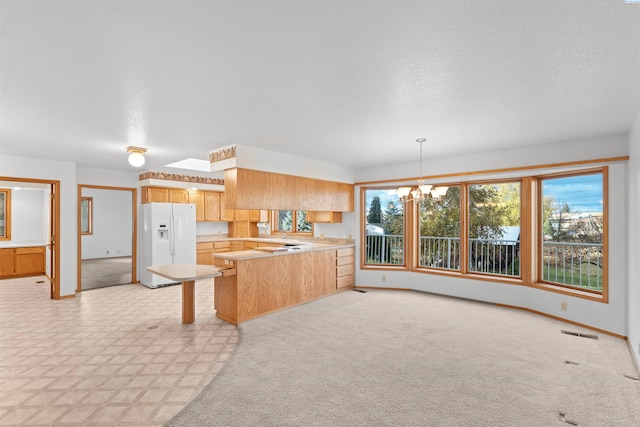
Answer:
(23, 261)
(268, 284)
(7, 260)
(345, 268)
(204, 253)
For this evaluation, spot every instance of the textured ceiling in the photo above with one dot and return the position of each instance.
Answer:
(348, 82)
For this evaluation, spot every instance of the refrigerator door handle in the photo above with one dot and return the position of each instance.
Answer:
(172, 230)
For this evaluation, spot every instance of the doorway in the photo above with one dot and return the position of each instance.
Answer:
(107, 236)
(51, 236)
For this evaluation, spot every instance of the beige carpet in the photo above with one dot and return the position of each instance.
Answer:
(395, 358)
(102, 272)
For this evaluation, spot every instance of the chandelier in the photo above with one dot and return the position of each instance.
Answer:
(422, 191)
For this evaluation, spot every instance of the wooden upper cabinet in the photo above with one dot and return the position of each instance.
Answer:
(241, 215)
(225, 214)
(197, 197)
(178, 195)
(155, 195)
(322, 216)
(252, 189)
(211, 206)
(254, 215)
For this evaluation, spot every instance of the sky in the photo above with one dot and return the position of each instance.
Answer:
(582, 193)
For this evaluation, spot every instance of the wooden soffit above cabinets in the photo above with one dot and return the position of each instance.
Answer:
(253, 189)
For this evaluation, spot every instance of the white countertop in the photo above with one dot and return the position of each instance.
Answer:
(22, 244)
(271, 252)
(183, 272)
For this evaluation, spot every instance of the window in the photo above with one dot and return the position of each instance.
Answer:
(572, 231)
(384, 235)
(494, 228)
(86, 215)
(5, 214)
(439, 231)
(283, 222)
(547, 231)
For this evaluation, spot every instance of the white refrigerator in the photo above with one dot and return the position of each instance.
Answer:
(168, 237)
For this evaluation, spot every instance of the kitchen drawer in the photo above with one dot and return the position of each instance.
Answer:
(204, 246)
(345, 252)
(344, 270)
(221, 245)
(343, 282)
(28, 250)
(344, 260)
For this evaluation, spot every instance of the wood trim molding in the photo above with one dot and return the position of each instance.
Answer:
(55, 227)
(551, 316)
(134, 231)
(223, 154)
(501, 170)
(180, 178)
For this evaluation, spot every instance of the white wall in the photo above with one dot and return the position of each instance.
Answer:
(29, 215)
(112, 224)
(633, 233)
(205, 228)
(65, 172)
(611, 317)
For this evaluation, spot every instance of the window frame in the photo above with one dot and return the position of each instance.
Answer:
(7, 213)
(275, 223)
(530, 224)
(89, 201)
(565, 288)
(408, 245)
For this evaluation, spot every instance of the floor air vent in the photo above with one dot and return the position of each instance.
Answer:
(581, 334)
(360, 290)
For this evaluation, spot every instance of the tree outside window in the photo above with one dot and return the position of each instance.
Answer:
(285, 222)
(494, 228)
(573, 231)
(439, 245)
(384, 228)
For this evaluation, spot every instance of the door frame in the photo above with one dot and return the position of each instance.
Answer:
(134, 230)
(54, 230)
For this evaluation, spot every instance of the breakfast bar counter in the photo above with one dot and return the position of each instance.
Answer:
(187, 274)
(269, 279)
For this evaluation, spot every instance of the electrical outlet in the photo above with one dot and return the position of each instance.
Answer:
(384, 279)
(563, 306)
(107, 252)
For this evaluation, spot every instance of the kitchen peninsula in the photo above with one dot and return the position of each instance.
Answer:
(279, 273)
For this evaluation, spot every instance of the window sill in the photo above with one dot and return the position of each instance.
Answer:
(572, 292)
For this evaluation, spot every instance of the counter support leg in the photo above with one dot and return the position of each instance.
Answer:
(188, 302)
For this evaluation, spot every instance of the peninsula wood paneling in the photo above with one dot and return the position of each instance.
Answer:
(265, 285)
(251, 189)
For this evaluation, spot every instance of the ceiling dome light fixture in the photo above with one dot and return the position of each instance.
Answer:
(422, 190)
(136, 156)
